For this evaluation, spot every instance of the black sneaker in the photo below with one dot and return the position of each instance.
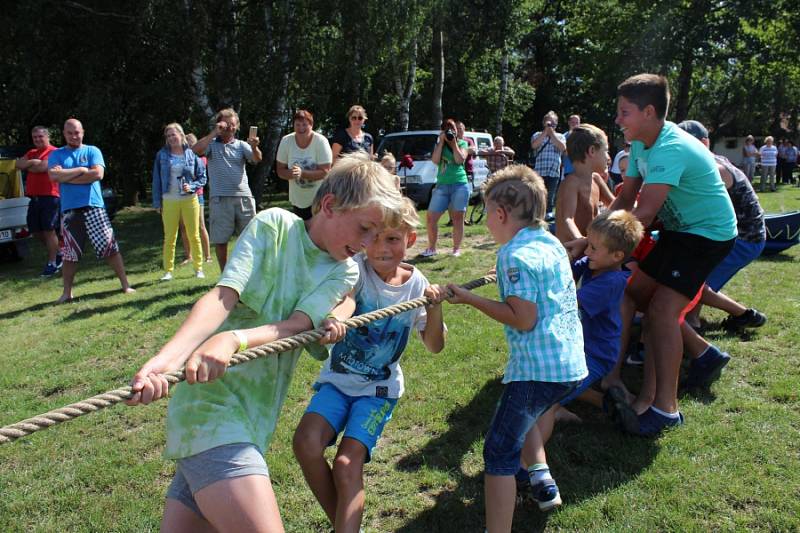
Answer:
(546, 495)
(751, 318)
(49, 270)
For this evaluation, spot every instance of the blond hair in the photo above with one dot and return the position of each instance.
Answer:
(357, 109)
(408, 216)
(389, 160)
(356, 182)
(619, 230)
(520, 191)
(177, 127)
(583, 137)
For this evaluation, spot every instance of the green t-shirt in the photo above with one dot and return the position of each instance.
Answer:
(276, 269)
(450, 172)
(697, 201)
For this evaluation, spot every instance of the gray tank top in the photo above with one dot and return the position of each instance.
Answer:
(749, 215)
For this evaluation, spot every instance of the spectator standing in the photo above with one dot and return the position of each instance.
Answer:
(232, 203)
(43, 209)
(791, 162)
(499, 147)
(191, 140)
(78, 168)
(177, 174)
(304, 159)
(548, 145)
(749, 155)
(616, 172)
(769, 161)
(353, 137)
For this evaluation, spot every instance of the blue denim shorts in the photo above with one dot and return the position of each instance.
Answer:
(520, 405)
(361, 417)
(223, 462)
(446, 197)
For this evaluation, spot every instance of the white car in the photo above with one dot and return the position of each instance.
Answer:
(418, 181)
(13, 210)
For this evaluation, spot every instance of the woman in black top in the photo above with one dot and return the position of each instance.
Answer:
(352, 138)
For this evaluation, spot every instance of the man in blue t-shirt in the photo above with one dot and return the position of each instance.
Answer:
(675, 178)
(78, 168)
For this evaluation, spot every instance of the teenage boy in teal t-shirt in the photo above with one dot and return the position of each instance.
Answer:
(675, 179)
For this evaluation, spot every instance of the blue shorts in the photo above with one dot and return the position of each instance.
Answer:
(223, 462)
(43, 213)
(361, 417)
(520, 405)
(444, 197)
(743, 254)
(597, 371)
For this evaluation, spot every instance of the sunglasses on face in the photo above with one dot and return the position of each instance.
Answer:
(356, 118)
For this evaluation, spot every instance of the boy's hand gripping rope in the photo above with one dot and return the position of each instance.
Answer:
(107, 399)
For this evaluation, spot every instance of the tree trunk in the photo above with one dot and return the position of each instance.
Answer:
(228, 84)
(684, 85)
(405, 93)
(280, 76)
(501, 98)
(437, 55)
(199, 89)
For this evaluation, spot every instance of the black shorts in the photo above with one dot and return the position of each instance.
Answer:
(43, 213)
(683, 261)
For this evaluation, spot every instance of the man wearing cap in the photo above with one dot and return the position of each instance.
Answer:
(749, 243)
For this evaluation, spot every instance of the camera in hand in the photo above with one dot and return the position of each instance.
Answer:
(551, 125)
(450, 135)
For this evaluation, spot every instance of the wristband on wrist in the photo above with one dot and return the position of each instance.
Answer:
(331, 315)
(242, 338)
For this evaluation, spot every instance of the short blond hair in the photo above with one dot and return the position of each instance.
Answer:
(408, 216)
(619, 230)
(520, 191)
(357, 182)
(357, 109)
(389, 160)
(177, 127)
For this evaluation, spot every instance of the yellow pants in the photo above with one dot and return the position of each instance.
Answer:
(172, 212)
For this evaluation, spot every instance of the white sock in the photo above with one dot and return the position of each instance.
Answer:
(676, 414)
(539, 472)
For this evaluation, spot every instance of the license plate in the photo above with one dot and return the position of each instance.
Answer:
(6, 235)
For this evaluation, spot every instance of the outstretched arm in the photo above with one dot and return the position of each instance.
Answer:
(515, 312)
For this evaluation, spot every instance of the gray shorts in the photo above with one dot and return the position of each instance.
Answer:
(229, 215)
(223, 462)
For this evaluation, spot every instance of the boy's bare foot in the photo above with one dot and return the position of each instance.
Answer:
(565, 415)
(64, 298)
(128, 290)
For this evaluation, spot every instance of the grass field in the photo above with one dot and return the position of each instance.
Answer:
(735, 465)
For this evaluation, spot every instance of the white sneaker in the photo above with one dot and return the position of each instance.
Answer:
(166, 277)
(199, 274)
(429, 252)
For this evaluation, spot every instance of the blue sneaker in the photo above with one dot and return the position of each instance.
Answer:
(546, 494)
(652, 423)
(707, 368)
(49, 270)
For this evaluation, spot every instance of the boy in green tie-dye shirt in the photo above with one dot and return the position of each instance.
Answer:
(284, 276)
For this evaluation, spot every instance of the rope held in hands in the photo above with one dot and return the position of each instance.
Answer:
(107, 399)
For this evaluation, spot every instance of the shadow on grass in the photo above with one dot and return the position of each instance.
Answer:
(586, 459)
(141, 303)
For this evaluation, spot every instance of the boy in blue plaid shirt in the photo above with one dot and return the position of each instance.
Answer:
(538, 307)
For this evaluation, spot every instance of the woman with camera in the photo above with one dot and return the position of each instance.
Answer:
(452, 189)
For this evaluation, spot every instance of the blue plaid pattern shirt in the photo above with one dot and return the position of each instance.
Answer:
(534, 266)
(548, 157)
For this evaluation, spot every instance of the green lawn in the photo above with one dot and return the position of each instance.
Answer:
(735, 465)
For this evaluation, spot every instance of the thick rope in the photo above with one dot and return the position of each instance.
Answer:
(107, 399)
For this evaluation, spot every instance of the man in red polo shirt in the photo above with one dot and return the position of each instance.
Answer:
(43, 211)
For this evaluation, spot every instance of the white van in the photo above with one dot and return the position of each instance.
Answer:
(418, 181)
